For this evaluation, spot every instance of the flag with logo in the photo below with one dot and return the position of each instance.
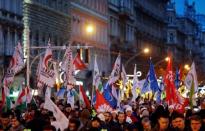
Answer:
(83, 98)
(47, 76)
(79, 64)
(96, 77)
(171, 96)
(151, 81)
(58, 114)
(192, 83)
(115, 74)
(16, 64)
(68, 67)
(108, 96)
(101, 104)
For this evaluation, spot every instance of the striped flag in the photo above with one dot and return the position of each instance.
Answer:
(83, 98)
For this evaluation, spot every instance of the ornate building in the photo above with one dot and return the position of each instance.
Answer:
(134, 25)
(11, 27)
(89, 30)
(185, 37)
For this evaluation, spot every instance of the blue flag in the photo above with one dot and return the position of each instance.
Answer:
(151, 81)
(159, 92)
(107, 93)
(177, 79)
(61, 92)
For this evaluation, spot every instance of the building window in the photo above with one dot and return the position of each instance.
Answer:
(171, 37)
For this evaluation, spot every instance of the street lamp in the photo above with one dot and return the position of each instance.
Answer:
(89, 28)
(187, 67)
(145, 51)
(165, 59)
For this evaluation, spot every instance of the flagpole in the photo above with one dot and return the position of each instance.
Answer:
(27, 63)
(93, 87)
(28, 59)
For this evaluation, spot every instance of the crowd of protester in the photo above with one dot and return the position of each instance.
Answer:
(140, 115)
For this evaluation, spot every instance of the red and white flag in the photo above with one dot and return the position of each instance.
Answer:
(4, 94)
(24, 96)
(47, 76)
(101, 104)
(68, 67)
(83, 98)
(79, 64)
(16, 64)
(171, 93)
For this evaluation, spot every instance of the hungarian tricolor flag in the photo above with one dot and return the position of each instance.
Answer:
(83, 98)
(79, 64)
(171, 96)
(6, 101)
(24, 96)
(101, 104)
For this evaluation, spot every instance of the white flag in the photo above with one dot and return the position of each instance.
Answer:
(68, 67)
(60, 117)
(48, 92)
(135, 84)
(191, 77)
(124, 82)
(38, 72)
(96, 77)
(47, 76)
(115, 74)
(16, 64)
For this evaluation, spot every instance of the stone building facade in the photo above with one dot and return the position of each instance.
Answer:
(89, 25)
(11, 28)
(185, 37)
(134, 25)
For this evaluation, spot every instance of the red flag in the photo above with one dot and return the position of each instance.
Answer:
(171, 96)
(3, 99)
(101, 104)
(83, 97)
(79, 64)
